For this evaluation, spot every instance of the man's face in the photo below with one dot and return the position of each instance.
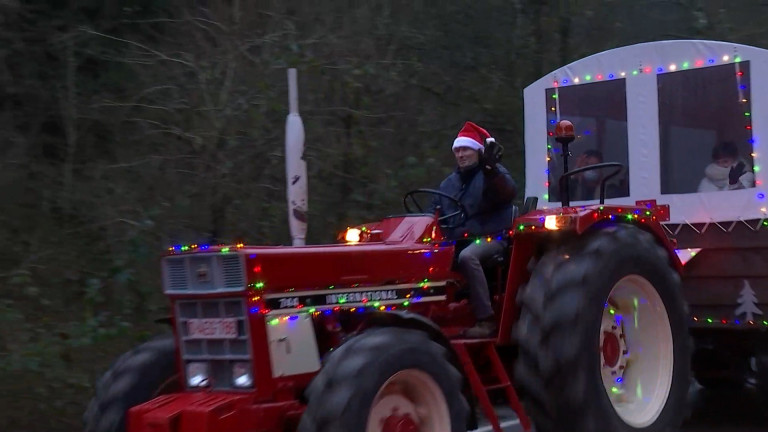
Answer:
(466, 156)
(589, 177)
(725, 162)
(587, 161)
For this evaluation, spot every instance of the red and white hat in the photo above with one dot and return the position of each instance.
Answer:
(472, 136)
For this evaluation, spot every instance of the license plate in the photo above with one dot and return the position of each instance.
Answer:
(212, 328)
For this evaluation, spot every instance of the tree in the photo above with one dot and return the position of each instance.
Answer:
(748, 302)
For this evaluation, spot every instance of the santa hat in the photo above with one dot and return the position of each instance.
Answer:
(472, 136)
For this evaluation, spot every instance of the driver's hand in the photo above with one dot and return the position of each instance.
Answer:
(492, 154)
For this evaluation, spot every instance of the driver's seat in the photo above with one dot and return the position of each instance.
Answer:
(528, 206)
(497, 266)
(502, 257)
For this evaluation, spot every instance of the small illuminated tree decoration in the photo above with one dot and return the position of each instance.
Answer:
(748, 302)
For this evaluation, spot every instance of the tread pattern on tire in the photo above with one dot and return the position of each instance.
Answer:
(132, 379)
(338, 384)
(549, 369)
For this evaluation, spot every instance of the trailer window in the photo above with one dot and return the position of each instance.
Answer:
(705, 130)
(598, 111)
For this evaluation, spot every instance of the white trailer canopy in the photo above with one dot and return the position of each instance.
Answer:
(679, 115)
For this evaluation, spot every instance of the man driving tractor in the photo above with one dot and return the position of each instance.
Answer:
(486, 190)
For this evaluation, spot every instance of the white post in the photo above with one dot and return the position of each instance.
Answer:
(295, 166)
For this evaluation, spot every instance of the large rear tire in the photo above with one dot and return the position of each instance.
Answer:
(136, 377)
(603, 336)
(386, 379)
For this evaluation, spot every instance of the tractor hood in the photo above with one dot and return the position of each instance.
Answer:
(402, 253)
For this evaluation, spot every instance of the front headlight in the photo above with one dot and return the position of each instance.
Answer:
(352, 235)
(241, 375)
(197, 374)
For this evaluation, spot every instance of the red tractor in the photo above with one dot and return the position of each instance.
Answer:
(365, 335)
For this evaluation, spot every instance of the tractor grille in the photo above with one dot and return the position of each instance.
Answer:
(203, 273)
(220, 353)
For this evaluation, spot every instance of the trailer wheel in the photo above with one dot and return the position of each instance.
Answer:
(386, 380)
(720, 369)
(136, 377)
(603, 336)
(759, 365)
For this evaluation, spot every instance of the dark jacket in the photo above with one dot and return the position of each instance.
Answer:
(486, 197)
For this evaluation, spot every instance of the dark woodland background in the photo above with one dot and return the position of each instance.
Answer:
(129, 126)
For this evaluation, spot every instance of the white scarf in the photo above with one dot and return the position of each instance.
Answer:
(717, 175)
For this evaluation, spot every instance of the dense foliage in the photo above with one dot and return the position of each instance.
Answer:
(129, 126)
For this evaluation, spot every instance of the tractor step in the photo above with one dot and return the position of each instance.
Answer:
(465, 348)
(497, 386)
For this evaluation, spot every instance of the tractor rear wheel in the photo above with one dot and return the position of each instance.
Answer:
(138, 376)
(603, 336)
(386, 380)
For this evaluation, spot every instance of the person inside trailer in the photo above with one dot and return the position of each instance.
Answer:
(586, 186)
(728, 171)
(486, 190)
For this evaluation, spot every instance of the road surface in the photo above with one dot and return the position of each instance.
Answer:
(733, 411)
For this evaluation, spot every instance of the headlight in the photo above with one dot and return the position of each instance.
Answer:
(241, 375)
(550, 222)
(352, 235)
(555, 222)
(197, 374)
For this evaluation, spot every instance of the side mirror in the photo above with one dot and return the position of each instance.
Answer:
(529, 205)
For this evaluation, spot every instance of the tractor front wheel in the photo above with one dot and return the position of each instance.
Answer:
(139, 375)
(386, 380)
(603, 336)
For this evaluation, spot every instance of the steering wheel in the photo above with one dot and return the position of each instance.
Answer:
(462, 211)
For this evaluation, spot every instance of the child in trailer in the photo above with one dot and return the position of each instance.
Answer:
(728, 171)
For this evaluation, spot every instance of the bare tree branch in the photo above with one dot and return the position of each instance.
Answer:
(138, 105)
(142, 46)
(148, 160)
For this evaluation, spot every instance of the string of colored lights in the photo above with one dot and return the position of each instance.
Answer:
(601, 212)
(316, 311)
(645, 70)
(257, 307)
(722, 322)
(192, 247)
(742, 88)
(673, 67)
